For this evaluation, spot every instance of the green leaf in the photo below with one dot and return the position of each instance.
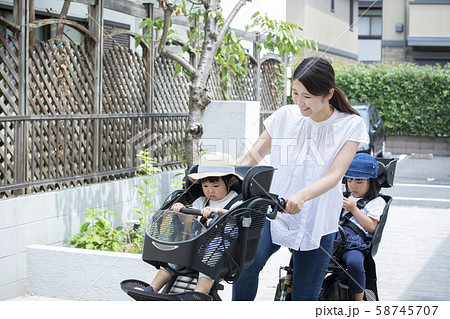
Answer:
(100, 222)
(255, 15)
(108, 224)
(84, 227)
(224, 71)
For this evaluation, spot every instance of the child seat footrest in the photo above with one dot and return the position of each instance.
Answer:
(134, 289)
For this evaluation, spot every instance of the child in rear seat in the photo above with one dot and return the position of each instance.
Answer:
(362, 184)
(216, 174)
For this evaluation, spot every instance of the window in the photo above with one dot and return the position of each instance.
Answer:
(370, 24)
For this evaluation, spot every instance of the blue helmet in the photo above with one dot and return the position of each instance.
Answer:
(362, 166)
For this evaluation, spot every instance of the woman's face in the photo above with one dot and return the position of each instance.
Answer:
(358, 187)
(315, 107)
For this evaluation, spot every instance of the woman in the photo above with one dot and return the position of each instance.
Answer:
(312, 144)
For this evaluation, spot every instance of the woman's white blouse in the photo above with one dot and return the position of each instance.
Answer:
(302, 152)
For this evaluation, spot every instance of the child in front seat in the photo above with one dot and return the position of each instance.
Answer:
(363, 185)
(216, 174)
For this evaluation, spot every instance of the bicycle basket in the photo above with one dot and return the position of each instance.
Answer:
(223, 249)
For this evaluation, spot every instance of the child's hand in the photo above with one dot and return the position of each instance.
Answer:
(177, 207)
(349, 205)
(207, 211)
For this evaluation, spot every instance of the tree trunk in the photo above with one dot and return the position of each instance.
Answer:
(199, 99)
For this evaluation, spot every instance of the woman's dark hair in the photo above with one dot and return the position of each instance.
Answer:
(317, 75)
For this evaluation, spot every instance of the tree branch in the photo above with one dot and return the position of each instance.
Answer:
(168, 10)
(213, 39)
(227, 22)
(209, 46)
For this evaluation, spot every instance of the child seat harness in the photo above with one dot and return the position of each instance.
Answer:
(235, 199)
(345, 220)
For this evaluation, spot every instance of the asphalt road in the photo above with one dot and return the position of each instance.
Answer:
(421, 182)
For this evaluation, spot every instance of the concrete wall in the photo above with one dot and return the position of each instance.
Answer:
(369, 50)
(49, 218)
(230, 127)
(436, 146)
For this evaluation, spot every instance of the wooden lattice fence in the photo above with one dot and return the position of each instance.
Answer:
(60, 86)
(66, 142)
(243, 88)
(272, 86)
(8, 106)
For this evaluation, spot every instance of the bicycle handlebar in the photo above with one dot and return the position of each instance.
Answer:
(191, 211)
(277, 204)
(197, 212)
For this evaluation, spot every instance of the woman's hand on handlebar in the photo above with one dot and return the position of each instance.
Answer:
(177, 207)
(294, 204)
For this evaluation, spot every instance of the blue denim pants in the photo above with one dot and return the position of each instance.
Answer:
(354, 260)
(309, 269)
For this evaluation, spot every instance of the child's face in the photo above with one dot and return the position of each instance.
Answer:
(358, 187)
(215, 190)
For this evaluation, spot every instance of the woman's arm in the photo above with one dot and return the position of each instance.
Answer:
(339, 166)
(260, 149)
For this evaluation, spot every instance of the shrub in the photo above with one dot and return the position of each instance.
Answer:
(99, 233)
(412, 99)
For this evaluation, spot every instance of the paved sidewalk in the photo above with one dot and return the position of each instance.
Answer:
(412, 260)
(32, 297)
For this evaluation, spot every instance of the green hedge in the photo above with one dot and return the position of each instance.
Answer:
(412, 99)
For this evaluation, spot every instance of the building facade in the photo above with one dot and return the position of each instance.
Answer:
(404, 31)
(376, 31)
(332, 23)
